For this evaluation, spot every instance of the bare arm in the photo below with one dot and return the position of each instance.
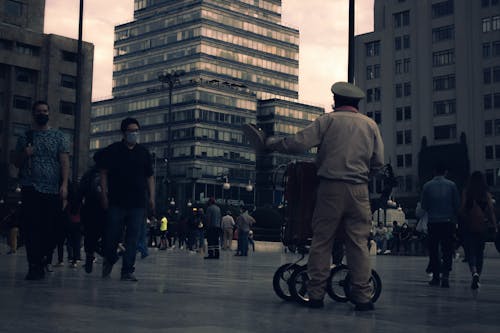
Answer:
(64, 161)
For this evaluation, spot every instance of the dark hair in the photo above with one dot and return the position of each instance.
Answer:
(476, 189)
(345, 101)
(40, 102)
(128, 121)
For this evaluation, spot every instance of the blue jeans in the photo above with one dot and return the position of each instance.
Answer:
(142, 246)
(118, 218)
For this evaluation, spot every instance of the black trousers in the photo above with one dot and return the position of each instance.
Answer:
(93, 219)
(441, 235)
(39, 213)
(213, 242)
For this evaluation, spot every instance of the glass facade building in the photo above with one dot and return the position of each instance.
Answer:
(233, 54)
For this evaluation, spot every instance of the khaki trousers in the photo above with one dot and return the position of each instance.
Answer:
(13, 238)
(347, 206)
(228, 238)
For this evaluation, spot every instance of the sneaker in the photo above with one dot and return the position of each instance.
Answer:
(74, 264)
(315, 303)
(445, 283)
(475, 281)
(434, 282)
(387, 252)
(11, 252)
(107, 267)
(368, 306)
(35, 273)
(49, 268)
(129, 277)
(59, 264)
(182, 248)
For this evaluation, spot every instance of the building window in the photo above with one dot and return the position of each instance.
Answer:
(6, 44)
(400, 161)
(408, 137)
(369, 95)
(406, 65)
(486, 24)
(397, 67)
(401, 19)
(372, 48)
(495, 23)
(68, 81)
(372, 72)
(443, 8)
(22, 102)
(399, 137)
(68, 56)
(399, 90)
(399, 114)
(497, 152)
(488, 127)
(443, 58)
(408, 183)
(66, 107)
(377, 94)
(13, 8)
(407, 89)
(25, 75)
(445, 132)
(496, 74)
(407, 112)
(397, 43)
(487, 75)
(486, 50)
(496, 101)
(27, 49)
(408, 160)
(487, 104)
(495, 49)
(444, 107)
(445, 82)
(490, 177)
(497, 127)
(443, 33)
(488, 152)
(406, 41)
(378, 117)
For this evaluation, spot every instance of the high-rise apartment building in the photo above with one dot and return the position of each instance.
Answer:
(36, 66)
(431, 69)
(227, 56)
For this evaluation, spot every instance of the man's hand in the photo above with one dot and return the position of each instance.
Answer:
(63, 191)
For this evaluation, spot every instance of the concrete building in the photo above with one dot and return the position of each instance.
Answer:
(431, 69)
(224, 58)
(37, 66)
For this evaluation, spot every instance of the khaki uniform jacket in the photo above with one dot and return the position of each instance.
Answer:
(350, 146)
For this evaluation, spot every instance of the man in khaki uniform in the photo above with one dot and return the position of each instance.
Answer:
(350, 148)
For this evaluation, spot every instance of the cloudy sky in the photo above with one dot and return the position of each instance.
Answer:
(323, 38)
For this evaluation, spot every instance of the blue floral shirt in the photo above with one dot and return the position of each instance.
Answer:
(43, 172)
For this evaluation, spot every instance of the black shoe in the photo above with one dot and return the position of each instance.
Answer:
(434, 282)
(315, 303)
(445, 283)
(129, 277)
(368, 306)
(107, 267)
(210, 257)
(89, 261)
(475, 282)
(35, 273)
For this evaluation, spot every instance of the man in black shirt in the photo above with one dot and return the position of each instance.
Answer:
(126, 173)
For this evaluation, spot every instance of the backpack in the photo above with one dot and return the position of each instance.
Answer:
(475, 218)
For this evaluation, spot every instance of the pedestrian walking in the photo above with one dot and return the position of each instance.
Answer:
(213, 220)
(227, 229)
(244, 222)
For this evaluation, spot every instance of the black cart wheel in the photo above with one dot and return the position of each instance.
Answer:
(375, 281)
(280, 280)
(336, 283)
(297, 284)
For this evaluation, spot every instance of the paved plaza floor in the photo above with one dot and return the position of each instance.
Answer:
(180, 292)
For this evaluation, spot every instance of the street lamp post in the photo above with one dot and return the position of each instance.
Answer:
(171, 78)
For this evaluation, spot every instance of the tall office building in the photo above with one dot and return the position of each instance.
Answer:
(36, 66)
(222, 58)
(431, 69)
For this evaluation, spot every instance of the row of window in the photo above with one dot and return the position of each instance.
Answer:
(403, 113)
(491, 49)
(296, 114)
(21, 48)
(491, 23)
(404, 161)
(491, 101)
(443, 33)
(487, 3)
(402, 66)
(212, 151)
(443, 8)
(403, 137)
(443, 58)
(373, 95)
(372, 49)
(492, 127)
(25, 103)
(491, 75)
(402, 42)
(445, 107)
(445, 132)
(492, 152)
(402, 89)
(401, 19)
(372, 72)
(444, 82)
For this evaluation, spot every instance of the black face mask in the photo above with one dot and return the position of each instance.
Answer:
(41, 119)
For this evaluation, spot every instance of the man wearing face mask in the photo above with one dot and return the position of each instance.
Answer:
(126, 172)
(43, 162)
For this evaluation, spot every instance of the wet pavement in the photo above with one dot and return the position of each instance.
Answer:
(180, 292)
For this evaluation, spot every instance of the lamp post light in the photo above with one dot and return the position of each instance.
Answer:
(171, 78)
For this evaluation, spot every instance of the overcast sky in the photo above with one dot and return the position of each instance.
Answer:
(323, 28)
